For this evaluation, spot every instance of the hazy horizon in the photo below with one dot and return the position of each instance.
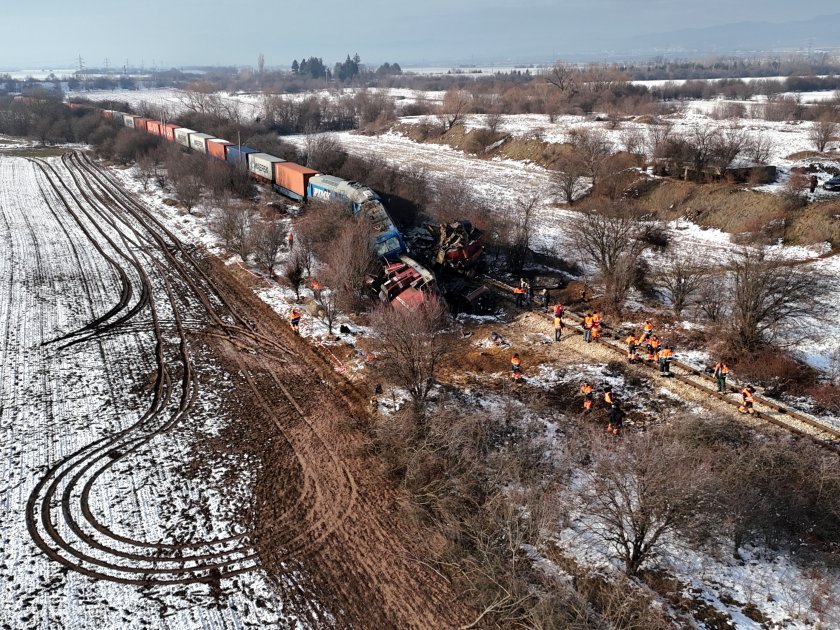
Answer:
(437, 33)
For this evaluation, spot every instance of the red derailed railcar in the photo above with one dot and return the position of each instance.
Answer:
(154, 127)
(140, 123)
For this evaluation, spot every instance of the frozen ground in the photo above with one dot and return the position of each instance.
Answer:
(95, 442)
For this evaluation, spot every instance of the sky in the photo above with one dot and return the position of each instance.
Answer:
(175, 33)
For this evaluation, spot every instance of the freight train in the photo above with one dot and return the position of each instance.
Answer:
(287, 178)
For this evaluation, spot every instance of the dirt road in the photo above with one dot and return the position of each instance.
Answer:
(178, 455)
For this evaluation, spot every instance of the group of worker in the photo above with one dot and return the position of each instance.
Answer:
(615, 414)
(720, 372)
(592, 326)
(652, 344)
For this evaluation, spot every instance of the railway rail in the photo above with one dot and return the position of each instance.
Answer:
(783, 416)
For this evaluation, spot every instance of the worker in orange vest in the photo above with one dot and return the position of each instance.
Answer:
(518, 296)
(516, 368)
(647, 331)
(588, 398)
(652, 348)
(558, 327)
(559, 310)
(316, 288)
(588, 322)
(721, 371)
(631, 348)
(747, 398)
(665, 356)
(609, 398)
(291, 240)
(294, 317)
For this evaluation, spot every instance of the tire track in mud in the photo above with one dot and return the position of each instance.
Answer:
(310, 509)
(332, 547)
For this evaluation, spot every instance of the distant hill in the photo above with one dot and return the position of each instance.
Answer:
(816, 32)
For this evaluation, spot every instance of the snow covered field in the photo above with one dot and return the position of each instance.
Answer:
(102, 527)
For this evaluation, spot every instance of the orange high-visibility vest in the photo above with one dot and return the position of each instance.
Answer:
(747, 394)
(587, 321)
(648, 327)
(558, 323)
(585, 389)
(516, 362)
(665, 354)
(630, 340)
(721, 368)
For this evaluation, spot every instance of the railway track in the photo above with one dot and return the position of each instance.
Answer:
(772, 412)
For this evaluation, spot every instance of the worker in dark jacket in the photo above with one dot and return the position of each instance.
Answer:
(544, 298)
(721, 371)
(615, 418)
(813, 183)
(609, 398)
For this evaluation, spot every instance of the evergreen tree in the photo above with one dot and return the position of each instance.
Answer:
(295, 67)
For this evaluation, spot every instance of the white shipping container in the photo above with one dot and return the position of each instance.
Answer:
(128, 121)
(262, 164)
(182, 136)
(198, 141)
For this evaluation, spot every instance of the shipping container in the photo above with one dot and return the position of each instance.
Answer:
(169, 131)
(216, 148)
(128, 120)
(182, 136)
(291, 179)
(239, 155)
(262, 165)
(140, 123)
(154, 127)
(198, 141)
(324, 187)
(108, 113)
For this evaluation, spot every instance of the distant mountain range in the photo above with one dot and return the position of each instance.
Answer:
(814, 33)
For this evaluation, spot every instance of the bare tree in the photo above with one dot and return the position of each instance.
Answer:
(641, 489)
(658, 137)
(823, 131)
(712, 300)
(455, 105)
(565, 77)
(411, 345)
(632, 140)
(324, 152)
(327, 301)
(348, 260)
(592, 149)
(759, 147)
(293, 273)
(261, 64)
(188, 189)
(146, 169)
(681, 279)
(567, 178)
(519, 247)
(613, 242)
(269, 238)
(769, 298)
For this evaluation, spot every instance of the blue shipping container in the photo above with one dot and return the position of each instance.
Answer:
(239, 155)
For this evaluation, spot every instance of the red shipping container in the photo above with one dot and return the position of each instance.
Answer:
(216, 148)
(140, 123)
(293, 178)
(169, 132)
(108, 113)
(154, 128)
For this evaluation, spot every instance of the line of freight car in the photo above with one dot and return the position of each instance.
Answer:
(287, 178)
